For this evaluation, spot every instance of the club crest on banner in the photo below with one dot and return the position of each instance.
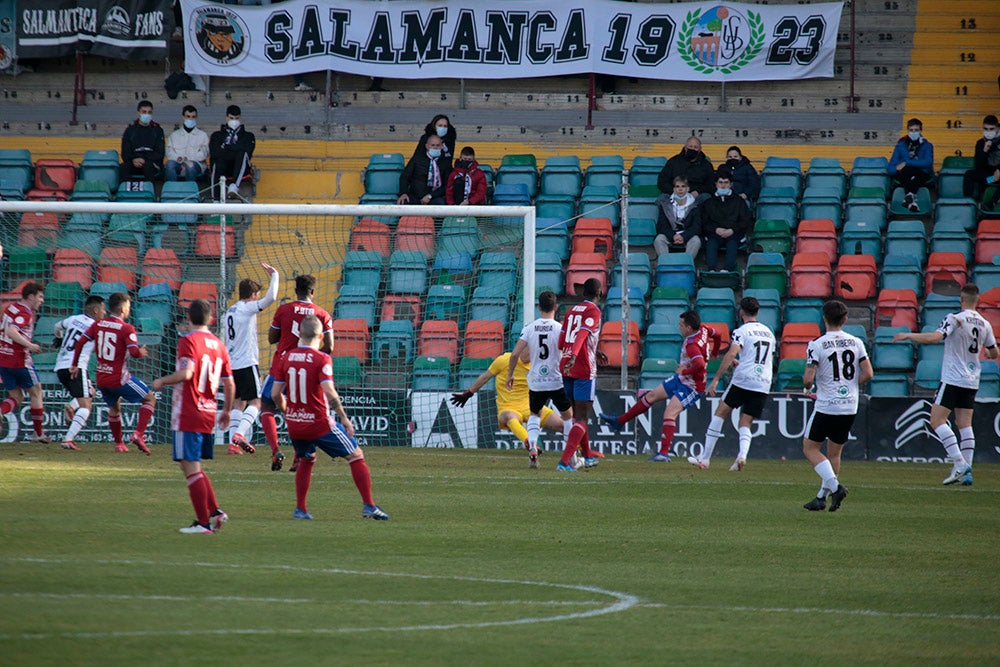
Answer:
(117, 22)
(221, 35)
(721, 39)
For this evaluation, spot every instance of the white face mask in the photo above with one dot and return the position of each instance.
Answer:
(233, 124)
(913, 136)
(989, 134)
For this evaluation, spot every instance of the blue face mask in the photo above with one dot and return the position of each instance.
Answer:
(724, 192)
(913, 135)
(441, 131)
(145, 118)
(434, 152)
(190, 123)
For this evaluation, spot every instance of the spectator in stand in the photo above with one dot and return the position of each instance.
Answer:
(912, 162)
(187, 149)
(467, 182)
(231, 148)
(725, 220)
(425, 178)
(440, 126)
(746, 180)
(986, 171)
(678, 226)
(142, 147)
(692, 164)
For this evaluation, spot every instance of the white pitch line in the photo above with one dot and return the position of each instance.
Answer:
(359, 601)
(817, 610)
(622, 602)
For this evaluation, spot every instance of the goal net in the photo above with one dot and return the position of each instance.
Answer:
(423, 298)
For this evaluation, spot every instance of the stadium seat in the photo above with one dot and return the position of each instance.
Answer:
(29, 261)
(363, 267)
(499, 271)
(393, 342)
(610, 343)
(789, 375)
(118, 265)
(560, 176)
(55, 174)
(989, 308)
(936, 307)
(890, 355)
(155, 301)
(161, 265)
(515, 187)
(889, 385)
(676, 270)
(351, 338)
(347, 372)
(583, 266)
(593, 235)
(562, 209)
(951, 236)
(208, 242)
(402, 307)
(487, 304)
(766, 270)
(958, 211)
(42, 229)
(987, 241)
(431, 374)
(605, 170)
(927, 375)
(770, 306)
(989, 379)
(667, 304)
(129, 229)
(439, 338)
(861, 238)
(653, 372)
(716, 304)
(771, 236)
(356, 302)
(946, 273)
(897, 308)
(459, 235)
(662, 340)
(64, 298)
(641, 231)
(816, 236)
(785, 179)
(381, 176)
(923, 199)
(951, 175)
(91, 191)
(483, 338)
(601, 202)
(906, 237)
(452, 268)
(100, 165)
(640, 273)
(193, 289)
(179, 191)
(724, 332)
(72, 265)
(469, 369)
(549, 272)
(856, 278)
(637, 306)
(135, 191)
(16, 167)
(795, 337)
(778, 204)
(416, 232)
(105, 290)
(369, 234)
(987, 276)
(822, 204)
(552, 235)
(445, 302)
(810, 275)
(407, 272)
(825, 172)
(645, 169)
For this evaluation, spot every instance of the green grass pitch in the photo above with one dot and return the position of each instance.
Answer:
(485, 562)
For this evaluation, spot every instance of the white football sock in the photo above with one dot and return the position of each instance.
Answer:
(825, 470)
(950, 442)
(247, 420)
(79, 419)
(745, 438)
(967, 444)
(234, 420)
(74, 404)
(712, 435)
(534, 426)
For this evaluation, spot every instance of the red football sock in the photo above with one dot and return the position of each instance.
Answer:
(642, 405)
(303, 476)
(576, 434)
(667, 436)
(199, 497)
(362, 479)
(115, 422)
(585, 445)
(37, 416)
(270, 427)
(213, 504)
(7, 406)
(145, 414)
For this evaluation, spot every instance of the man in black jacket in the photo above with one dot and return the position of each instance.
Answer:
(725, 220)
(986, 170)
(230, 149)
(693, 165)
(143, 147)
(425, 177)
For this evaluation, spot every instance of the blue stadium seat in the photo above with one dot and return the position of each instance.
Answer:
(393, 342)
(676, 270)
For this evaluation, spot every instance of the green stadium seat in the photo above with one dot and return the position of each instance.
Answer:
(923, 198)
(469, 370)
(653, 372)
(431, 374)
(552, 235)
(445, 302)
(64, 298)
(766, 270)
(393, 341)
(789, 375)
(771, 236)
(347, 372)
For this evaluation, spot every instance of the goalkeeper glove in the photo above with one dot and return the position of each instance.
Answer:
(461, 399)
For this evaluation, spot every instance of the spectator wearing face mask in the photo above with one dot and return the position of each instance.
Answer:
(912, 163)
(425, 178)
(678, 224)
(440, 126)
(725, 220)
(231, 148)
(692, 164)
(142, 147)
(986, 171)
(187, 149)
(467, 181)
(746, 180)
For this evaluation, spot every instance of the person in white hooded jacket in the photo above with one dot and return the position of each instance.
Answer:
(187, 149)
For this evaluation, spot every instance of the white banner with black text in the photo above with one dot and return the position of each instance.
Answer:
(698, 41)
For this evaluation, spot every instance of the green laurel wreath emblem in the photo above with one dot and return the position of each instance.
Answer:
(753, 48)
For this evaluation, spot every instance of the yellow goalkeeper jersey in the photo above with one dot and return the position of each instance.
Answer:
(517, 398)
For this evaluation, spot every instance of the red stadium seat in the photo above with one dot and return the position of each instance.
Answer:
(987, 241)
(416, 232)
(946, 273)
(402, 307)
(371, 234)
(55, 175)
(46, 195)
(207, 242)
(810, 275)
(594, 235)
(439, 338)
(725, 335)
(897, 308)
(816, 236)
(160, 265)
(856, 278)
(192, 290)
(483, 338)
(989, 308)
(795, 337)
(585, 265)
(118, 265)
(610, 343)
(351, 338)
(38, 229)
(71, 265)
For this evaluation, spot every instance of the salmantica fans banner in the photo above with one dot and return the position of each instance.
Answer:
(703, 41)
(123, 29)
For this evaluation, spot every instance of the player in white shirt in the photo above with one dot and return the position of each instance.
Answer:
(67, 332)
(966, 335)
(545, 382)
(754, 344)
(837, 365)
(239, 332)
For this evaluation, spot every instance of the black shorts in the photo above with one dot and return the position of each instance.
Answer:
(538, 399)
(78, 387)
(951, 397)
(835, 428)
(247, 382)
(752, 402)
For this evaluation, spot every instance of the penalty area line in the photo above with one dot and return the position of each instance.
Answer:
(817, 610)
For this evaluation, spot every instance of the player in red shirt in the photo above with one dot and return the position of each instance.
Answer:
(578, 343)
(285, 332)
(16, 367)
(303, 389)
(685, 388)
(202, 364)
(114, 341)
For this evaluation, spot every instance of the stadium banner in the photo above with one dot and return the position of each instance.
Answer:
(123, 29)
(902, 432)
(8, 34)
(697, 41)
